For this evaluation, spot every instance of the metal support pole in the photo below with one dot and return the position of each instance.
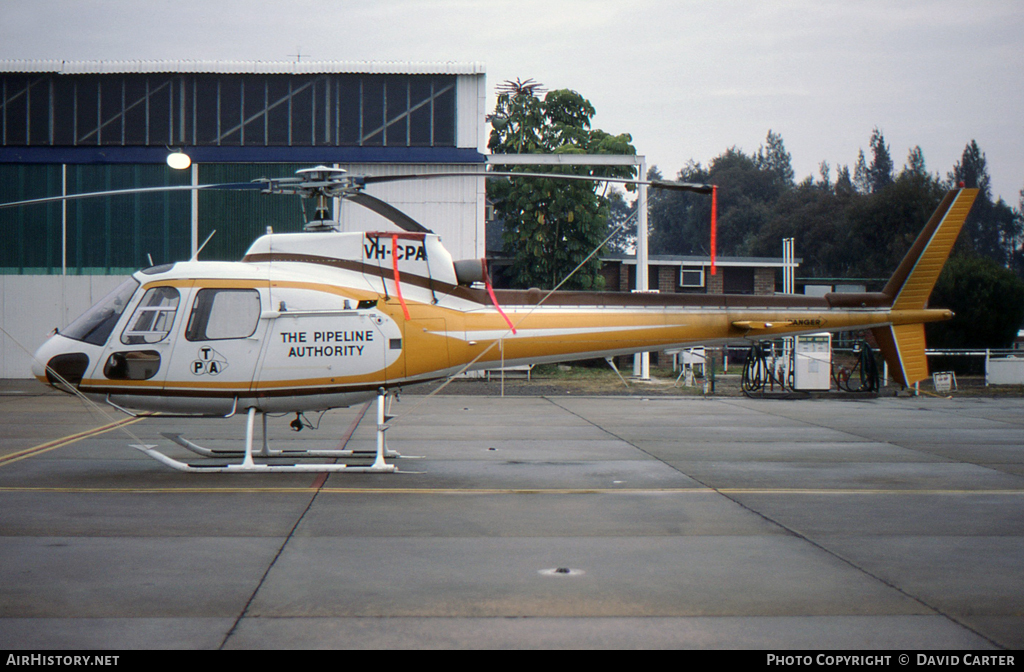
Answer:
(247, 460)
(265, 451)
(378, 462)
(195, 211)
(789, 265)
(63, 245)
(337, 208)
(642, 360)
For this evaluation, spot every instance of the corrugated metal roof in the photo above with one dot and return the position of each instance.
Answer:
(244, 67)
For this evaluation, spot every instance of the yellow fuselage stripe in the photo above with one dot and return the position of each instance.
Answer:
(633, 329)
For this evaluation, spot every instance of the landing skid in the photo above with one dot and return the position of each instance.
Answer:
(297, 454)
(248, 465)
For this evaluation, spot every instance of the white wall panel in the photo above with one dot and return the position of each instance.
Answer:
(452, 207)
(32, 305)
(471, 94)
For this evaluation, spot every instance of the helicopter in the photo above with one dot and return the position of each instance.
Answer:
(325, 319)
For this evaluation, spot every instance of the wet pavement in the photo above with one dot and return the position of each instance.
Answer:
(683, 522)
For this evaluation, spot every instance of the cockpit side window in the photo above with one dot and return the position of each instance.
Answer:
(94, 326)
(153, 318)
(219, 314)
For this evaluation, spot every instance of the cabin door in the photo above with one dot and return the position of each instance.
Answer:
(217, 350)
(426, 349)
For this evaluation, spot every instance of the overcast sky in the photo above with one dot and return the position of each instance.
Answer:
(688, 79)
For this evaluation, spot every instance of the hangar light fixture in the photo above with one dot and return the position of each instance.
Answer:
(179, 160)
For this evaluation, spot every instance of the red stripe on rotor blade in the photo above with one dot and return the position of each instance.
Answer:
(398, 282)
(494, 300)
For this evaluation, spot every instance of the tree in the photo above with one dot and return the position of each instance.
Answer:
(879, 174)
(993, 230)
(858, 226)
(844, 183)
(748, 187)
(745, 197)
(860, 174)
(817, 219)
(972, 170)
(915, 162)
(775, 159)
(843, 232)
(622, 218)
(988, 302)
(1017, 261)
(884, 225)
(825, 171)
(678, 220)
(551, 225)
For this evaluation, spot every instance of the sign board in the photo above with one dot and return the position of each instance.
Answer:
(944, 381)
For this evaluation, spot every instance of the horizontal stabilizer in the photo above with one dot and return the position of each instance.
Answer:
(757, 326)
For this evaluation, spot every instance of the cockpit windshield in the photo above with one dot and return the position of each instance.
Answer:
(94, 325)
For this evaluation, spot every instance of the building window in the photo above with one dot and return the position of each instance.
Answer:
(738, 280)
(691, 276)
(156, 110)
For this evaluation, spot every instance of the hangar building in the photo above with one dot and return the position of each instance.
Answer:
(72, 127)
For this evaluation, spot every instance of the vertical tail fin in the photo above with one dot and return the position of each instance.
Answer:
(903, 345)
(912, 283)
(903, 348)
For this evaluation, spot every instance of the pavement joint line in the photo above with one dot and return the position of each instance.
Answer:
(916, 449)
(360, 491)
(861, 491)
(64, 441)
(735, 496)
(511, 491)
(316, 488)
(321, 479)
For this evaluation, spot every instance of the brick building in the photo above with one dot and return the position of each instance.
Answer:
(692, 274)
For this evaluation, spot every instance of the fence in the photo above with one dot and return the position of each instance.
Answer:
(1000, 366)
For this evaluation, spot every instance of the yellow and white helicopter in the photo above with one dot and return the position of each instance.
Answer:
(322, 319)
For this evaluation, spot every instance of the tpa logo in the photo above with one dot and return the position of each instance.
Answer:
(210, 362)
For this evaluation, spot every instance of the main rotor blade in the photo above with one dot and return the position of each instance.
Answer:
(655, 184)
(139, 190)
(402, 219)
(388, 211)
